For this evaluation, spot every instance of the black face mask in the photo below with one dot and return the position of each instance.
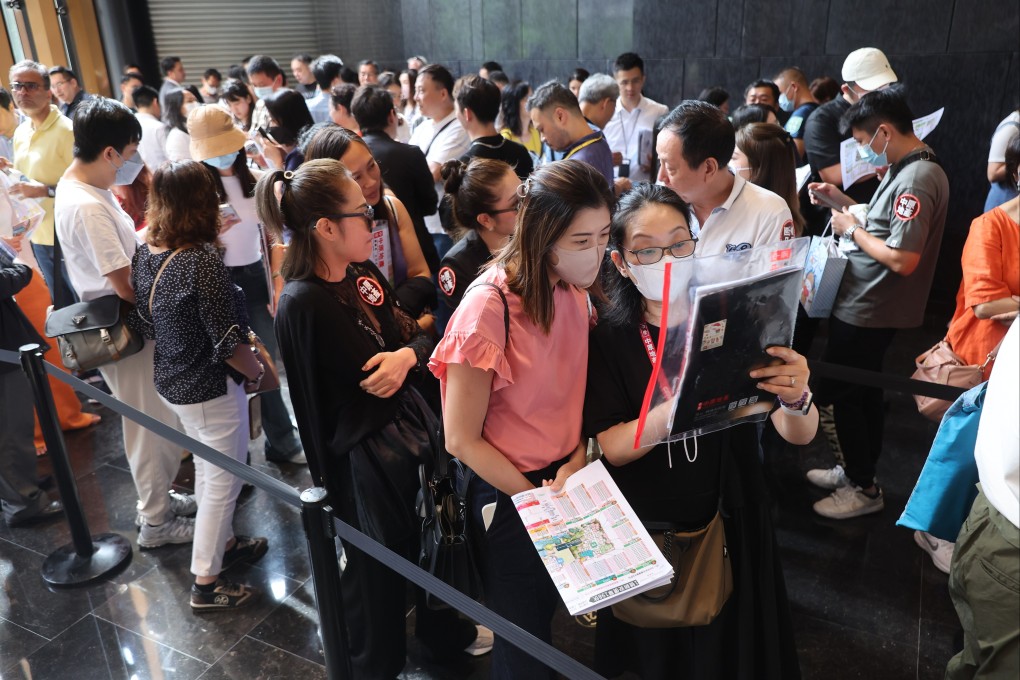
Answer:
(283, 135)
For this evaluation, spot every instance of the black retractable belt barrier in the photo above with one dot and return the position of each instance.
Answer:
(87, 558)
(860, 376)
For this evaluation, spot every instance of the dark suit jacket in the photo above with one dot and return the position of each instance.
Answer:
(405, 171)
(15, 329)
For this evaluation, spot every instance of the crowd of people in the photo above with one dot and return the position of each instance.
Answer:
(488, 254)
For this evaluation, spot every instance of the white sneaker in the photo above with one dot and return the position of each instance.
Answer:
(181, 505)
(482, 644)
(941, 551)
(849, 501)
(829, 479)
(173, 531)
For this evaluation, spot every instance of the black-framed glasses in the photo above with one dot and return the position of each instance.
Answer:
(368, 214)
(27, 87)
(515, 209)
(655, 253)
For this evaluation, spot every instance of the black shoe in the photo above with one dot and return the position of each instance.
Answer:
(247, 549)
(226, 595)
(53, 509)
(297, 458)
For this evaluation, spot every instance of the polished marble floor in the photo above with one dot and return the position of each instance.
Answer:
(867, 603)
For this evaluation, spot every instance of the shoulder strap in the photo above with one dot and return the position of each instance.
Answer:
(506, 306)
(152, 291)
(62, 294)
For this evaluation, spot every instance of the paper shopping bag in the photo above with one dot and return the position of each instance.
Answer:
(822, 276)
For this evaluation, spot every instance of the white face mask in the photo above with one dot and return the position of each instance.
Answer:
(650, 278)
(579, 267)
(189, 107)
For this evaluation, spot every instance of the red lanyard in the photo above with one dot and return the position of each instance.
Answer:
(646, 338)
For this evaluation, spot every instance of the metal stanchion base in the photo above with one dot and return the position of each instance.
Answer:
(65, 568)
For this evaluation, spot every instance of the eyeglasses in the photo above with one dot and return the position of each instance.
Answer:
(27, 87)
(515, 209)
(368, 214)
(656, 253)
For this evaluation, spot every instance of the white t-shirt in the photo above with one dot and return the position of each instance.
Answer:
(96, 236)
(627, 129)
(178, 145)
(751, 216)
(440, 141)
(997, 450)
(1004, 132)
(242, 241)
(152, 148)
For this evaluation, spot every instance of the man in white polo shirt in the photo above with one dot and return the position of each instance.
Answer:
(440, 137)
(629, 131)
(728, 213)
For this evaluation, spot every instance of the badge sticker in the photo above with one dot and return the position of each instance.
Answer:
(907, 207)
(713, 335)
(370, 291)
(787, 232)
(447, 281)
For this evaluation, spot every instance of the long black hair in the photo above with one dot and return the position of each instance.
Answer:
(626, 305)
(289, 110)
(241, 172)
(510, 106)
(172, 116)
(332, 141)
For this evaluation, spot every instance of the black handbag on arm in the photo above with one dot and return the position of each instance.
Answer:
(447, 551)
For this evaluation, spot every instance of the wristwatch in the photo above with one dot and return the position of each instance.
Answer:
(849, 233)
(51, 192)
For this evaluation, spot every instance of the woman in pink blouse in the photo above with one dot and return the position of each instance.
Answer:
(512, 407)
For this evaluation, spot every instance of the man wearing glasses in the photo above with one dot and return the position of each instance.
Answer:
(65, 87)
(43, 146)
(728, 213)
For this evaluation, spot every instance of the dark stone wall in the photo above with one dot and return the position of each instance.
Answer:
(961, 54)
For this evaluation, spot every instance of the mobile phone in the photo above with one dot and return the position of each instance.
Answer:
(228, 213)
(252, 148)
(624, 168)
(265, 133)
(825, 200)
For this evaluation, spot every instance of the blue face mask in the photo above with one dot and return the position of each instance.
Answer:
(128, 170)
(263, 92)
(222, 162)
(868, 154)
(786, 104)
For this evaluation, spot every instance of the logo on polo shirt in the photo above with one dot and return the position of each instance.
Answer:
(736, 247)
(907, 207)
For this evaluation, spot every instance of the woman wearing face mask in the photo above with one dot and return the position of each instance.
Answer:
(350, 350)
(177, 106)
(751, 638)
(512, 409)
(288, 116)
(765, 155)
(218, 144)
(397, 251)
(484, 204)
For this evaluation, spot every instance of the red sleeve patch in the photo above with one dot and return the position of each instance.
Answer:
(787, 232)
(908, 206)
(447, 281)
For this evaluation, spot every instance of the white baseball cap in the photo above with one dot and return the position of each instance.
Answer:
(869, 68)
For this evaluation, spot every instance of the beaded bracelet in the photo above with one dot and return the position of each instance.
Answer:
(797, 405)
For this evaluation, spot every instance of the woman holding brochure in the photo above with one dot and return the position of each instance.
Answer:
(512, 406)
(751, 637)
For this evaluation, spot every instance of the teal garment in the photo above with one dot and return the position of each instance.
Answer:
(947, 486)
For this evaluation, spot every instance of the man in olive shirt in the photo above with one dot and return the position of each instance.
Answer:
(43, 146)
(891, 263)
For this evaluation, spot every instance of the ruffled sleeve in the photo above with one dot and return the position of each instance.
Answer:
(475, 337)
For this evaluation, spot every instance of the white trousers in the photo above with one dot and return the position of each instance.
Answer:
(154, 461)
(222, 424)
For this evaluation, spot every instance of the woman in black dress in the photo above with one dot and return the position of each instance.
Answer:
(351, 353)
(752, 636)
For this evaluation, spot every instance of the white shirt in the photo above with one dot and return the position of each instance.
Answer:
(242, 241)
(178, 145)
(440, 141)
(624, 134)
(318, 106)
(152, 148)
(997, 450)
(96, 236)
(750, 216)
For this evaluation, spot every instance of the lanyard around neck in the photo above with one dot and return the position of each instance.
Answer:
(646, 339)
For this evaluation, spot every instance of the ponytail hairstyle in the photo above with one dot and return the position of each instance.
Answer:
(772, 156)
(472, 188)
(307, 194)
(333, 141)
(551, 199)
(626, 304)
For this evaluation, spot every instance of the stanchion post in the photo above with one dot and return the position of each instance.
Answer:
(49, 421)
(87, 558)
(321, 537)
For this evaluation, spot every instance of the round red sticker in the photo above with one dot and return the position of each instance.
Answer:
(370, 291)
(447, 281)
(788, 231)
(907, 207)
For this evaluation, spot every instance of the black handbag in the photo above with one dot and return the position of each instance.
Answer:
(447, 551)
